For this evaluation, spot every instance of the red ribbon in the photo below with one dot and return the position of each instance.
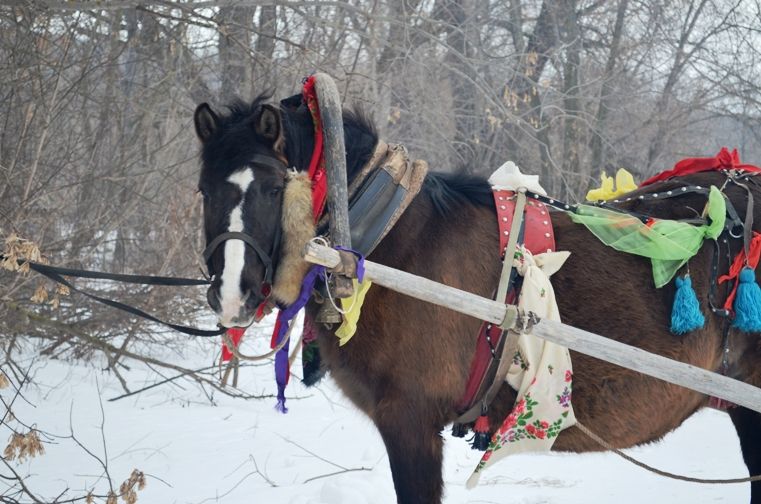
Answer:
(236, 334)
(724, 160)
(738, 264)
(317, 164)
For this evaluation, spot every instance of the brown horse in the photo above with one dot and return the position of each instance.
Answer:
(408, 364)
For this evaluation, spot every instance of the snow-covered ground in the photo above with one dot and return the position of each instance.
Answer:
(323, 451)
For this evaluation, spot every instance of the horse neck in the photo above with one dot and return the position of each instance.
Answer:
(459, 249)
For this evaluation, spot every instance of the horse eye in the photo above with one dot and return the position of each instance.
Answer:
(276, 191)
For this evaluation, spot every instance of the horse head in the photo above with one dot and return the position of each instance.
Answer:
(242, 180)
(258, 200)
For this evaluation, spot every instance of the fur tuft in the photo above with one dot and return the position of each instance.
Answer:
(298, 229)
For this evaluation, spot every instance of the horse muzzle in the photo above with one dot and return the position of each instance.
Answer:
(236, 312)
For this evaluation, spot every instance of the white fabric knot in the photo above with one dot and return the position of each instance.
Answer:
(508, 177)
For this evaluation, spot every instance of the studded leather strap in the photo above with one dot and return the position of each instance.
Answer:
(539, 236)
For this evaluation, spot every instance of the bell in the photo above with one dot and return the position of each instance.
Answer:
(328, 315)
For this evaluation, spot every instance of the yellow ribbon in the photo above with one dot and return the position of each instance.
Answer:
(352, 307)
(624, 183)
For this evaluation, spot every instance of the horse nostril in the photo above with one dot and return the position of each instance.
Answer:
(212, 297)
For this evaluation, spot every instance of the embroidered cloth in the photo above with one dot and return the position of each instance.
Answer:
(541, 371)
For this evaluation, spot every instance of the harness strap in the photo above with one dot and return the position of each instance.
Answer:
(509, 344)
(249, 240)
(45, 269)
(507, 263)
(713, 282)
(49, 271)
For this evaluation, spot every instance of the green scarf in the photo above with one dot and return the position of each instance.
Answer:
(669, 244)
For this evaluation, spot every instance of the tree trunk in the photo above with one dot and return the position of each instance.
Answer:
(234, 45)
(597, 145)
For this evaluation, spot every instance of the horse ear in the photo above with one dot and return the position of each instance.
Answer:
(267, 124)
(206, 122)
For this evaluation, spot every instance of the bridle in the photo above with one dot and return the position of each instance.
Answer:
(265, 258)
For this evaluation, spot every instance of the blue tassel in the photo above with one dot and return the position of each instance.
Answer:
(748, 303)
(685, 314)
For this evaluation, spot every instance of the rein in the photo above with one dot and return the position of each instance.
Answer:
(57, 275)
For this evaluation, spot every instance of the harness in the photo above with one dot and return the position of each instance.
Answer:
(495, 348)
(379, 194)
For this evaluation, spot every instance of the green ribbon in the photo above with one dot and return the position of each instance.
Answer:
(669, 244)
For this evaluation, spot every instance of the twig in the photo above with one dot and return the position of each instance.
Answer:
(183, 374)
(260, 473)
(313, 453)
(337, 473)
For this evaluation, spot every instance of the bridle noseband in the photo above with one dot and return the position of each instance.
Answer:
(266, 259)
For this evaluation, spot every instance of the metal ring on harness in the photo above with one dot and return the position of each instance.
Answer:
(739, 226)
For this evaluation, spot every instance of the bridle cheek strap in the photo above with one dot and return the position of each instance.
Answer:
(248, 240)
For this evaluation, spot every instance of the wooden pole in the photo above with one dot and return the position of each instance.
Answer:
(335, 158)
(334, 153)
(657, 366)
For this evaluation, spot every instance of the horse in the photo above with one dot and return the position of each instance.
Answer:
(408, 363)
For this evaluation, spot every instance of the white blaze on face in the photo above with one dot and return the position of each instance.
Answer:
(230, 294)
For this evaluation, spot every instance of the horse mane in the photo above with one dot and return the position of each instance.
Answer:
(360, 134)
(448, 191)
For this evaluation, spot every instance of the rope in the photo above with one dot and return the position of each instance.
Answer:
(234, 350)
(597, 439)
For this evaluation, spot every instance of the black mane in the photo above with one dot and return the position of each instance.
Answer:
(234, 141)
(360, 136)
(447, 191)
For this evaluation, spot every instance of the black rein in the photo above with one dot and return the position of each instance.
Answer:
(57, 275)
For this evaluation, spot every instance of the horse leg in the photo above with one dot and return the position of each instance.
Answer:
(415, 450)
(748, 425)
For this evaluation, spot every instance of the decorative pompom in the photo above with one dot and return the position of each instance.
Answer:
(459, 430)
(312, 367)
(747, 305)
(481, 430)
(685, 313)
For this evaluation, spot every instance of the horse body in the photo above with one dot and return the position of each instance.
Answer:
(408, 363)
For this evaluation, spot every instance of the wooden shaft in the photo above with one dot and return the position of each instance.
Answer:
(334, 152)
(415, 286)
(657, 366)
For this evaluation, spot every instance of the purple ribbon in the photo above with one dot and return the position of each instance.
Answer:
(286, 315)
(284, 318)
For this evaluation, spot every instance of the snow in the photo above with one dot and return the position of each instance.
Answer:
(322, 452)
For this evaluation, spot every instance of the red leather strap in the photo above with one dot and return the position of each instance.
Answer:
(539, 236)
